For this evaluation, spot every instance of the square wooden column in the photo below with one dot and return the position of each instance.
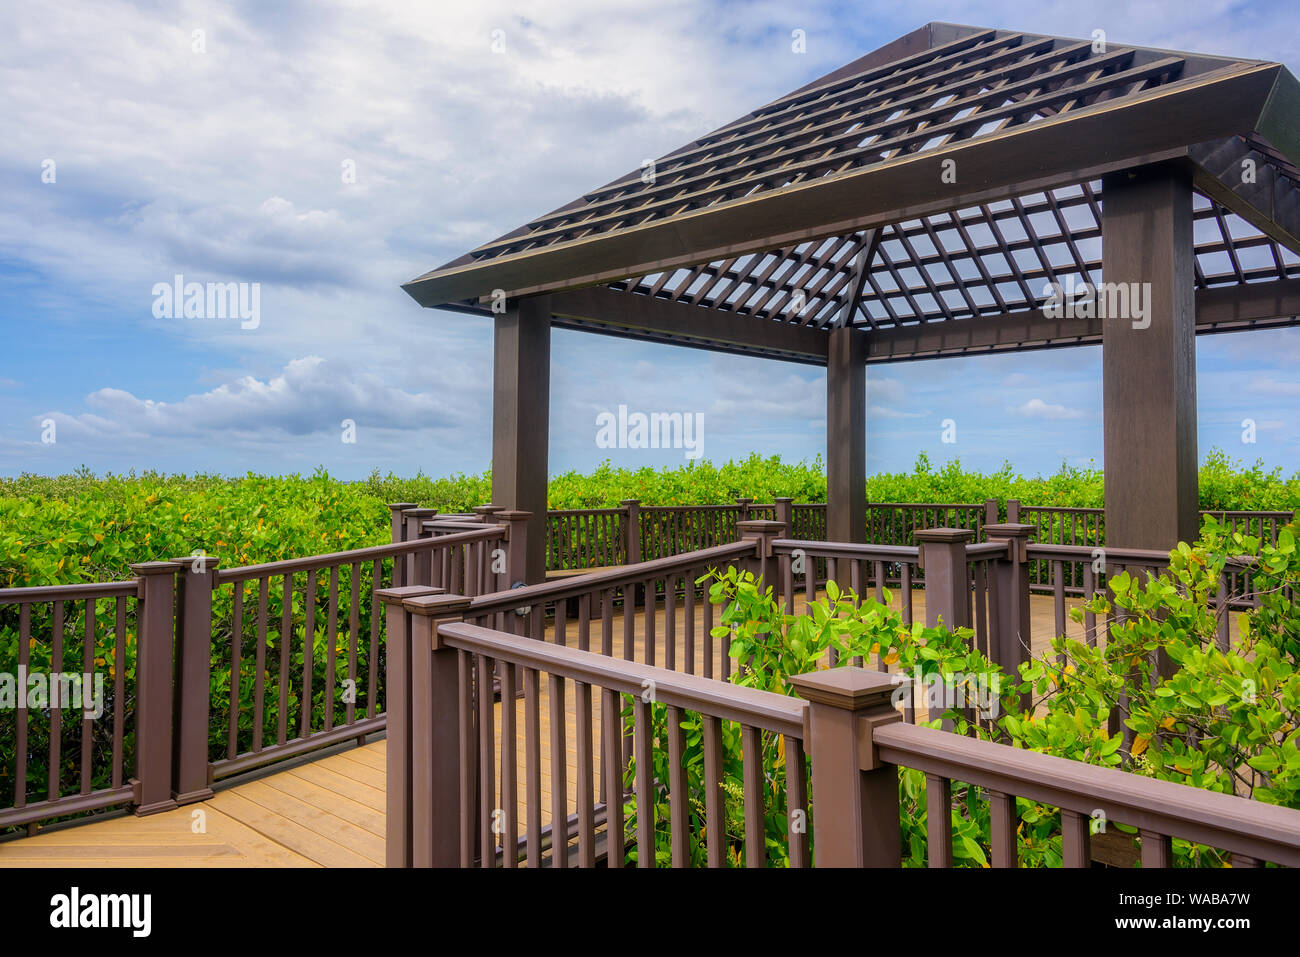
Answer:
(1149, 373)
(846, 435)
(521, 404)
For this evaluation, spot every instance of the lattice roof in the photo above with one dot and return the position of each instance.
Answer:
(826, 207)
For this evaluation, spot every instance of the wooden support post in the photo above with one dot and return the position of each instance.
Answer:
(399, 535)
(521, 398)
(435, 737)
(947, 581)
(846, 436)
(1009, 590)
(632, 526)
(763, 532)
(855, 823)
(397, 704)
(1149, 360)
(419, 566)
(195, 580)
(153, 686)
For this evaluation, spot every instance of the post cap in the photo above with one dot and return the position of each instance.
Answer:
(154, 568)
(418, 512)
(514, 514)
(1010, 530)
(760, 526)
(630, 501)
(210, 562)
(850, 688)
(489, 509)
(436, 606)
(944, 535)
(395, 596)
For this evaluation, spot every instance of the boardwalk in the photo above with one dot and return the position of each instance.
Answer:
(329, 812)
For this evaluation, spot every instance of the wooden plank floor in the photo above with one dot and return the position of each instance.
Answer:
(330, 812)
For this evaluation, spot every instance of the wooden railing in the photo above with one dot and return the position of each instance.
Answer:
(76, 646)
(579, 539)
(207, 672)
(454, 787)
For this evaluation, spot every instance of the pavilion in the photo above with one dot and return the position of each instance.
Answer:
(921, 202)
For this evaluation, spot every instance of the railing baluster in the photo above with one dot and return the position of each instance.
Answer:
(938, 820)
(678, 804)
(1157, 849)
(1002, 825)
(259, 679)
(796, 798)
(689, 620)
(586, 775)
(236, 668)
(354, 632)
(56, 706)
(20, 744)
(559, 776)
(372, 657)
(286, 637)
(651, 609)
(486, 762)
(611, 717)
(331, 645)
(714, 808)
(670, 622)
(752, 769)
(1074, 839)
(308, 651)
(509, 768)
(87, 673)
(533, 766)
(645, 809)
(119, 691)
(468, 765)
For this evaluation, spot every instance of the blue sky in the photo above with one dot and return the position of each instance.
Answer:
(224, 165)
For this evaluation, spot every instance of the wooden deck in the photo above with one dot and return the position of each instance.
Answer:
(329, 812)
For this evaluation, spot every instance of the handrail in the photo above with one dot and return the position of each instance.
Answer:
(245, 572)
(604, 578)
(750, 706)
(1236, 824)
(892, 553)
(69, 592)
(1114, 556)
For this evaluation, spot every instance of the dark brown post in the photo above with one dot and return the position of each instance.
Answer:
(399, 535)
(517, 550)
(435, 738)
(947, 578)
(419, 566)
(153, 686)
(855, 823)
(521, 400)
(195, 582)
(785, 515)
(991, 511)
(1149, 362)
(743, 514)
(1009, 592)
(1013, 511)
(846, 436)
(762, 532)
(632, 526)
(397, 705)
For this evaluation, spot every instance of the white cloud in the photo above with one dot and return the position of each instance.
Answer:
(1037, 408)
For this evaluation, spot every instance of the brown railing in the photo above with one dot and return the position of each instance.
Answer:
(83, 649)
(455, 793)
(207, 673)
